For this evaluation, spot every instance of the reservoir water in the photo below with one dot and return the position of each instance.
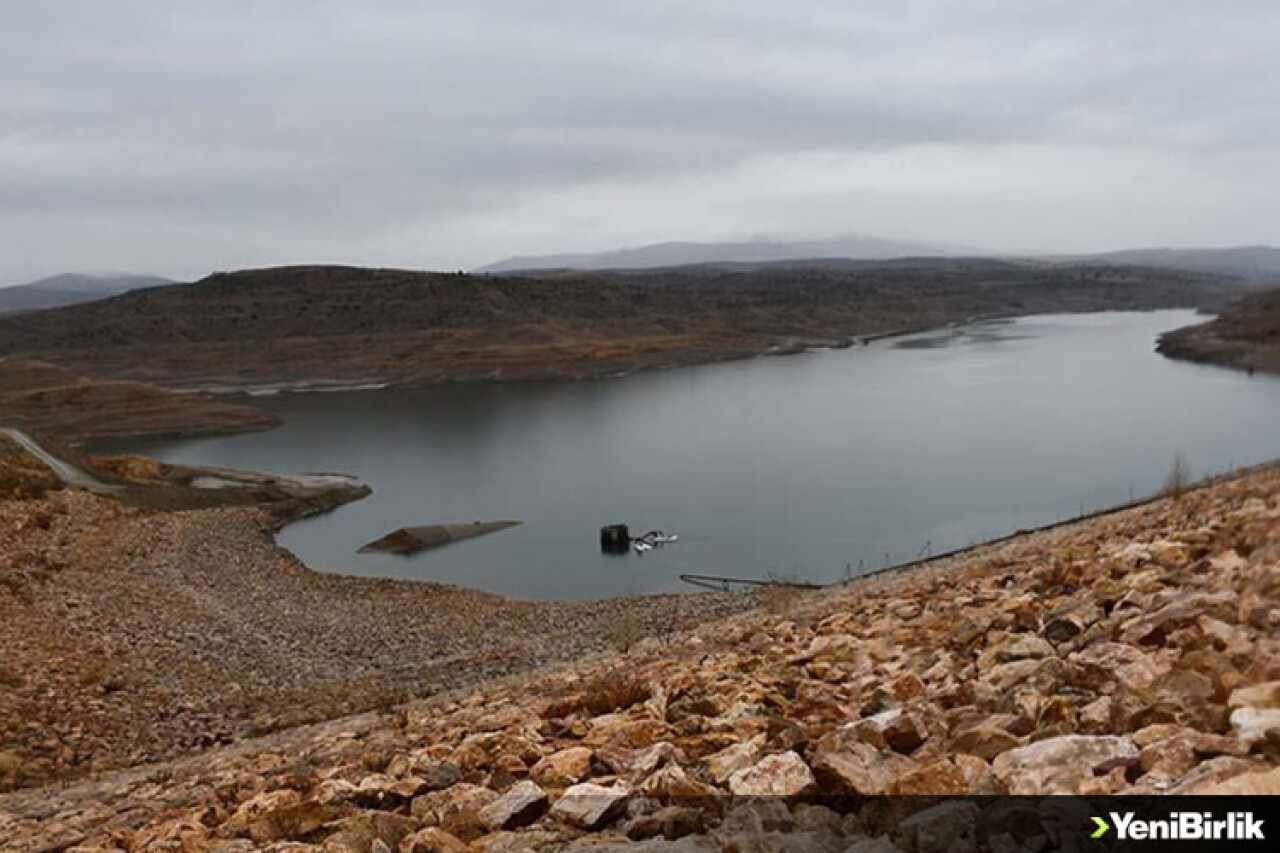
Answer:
(809, 466)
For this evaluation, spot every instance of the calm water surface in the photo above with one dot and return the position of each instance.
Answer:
(808, 466)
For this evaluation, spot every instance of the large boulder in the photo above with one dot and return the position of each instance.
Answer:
(371, 831)
(984, 741)
(432, 840)
(896, 729)
(1261, 696)
(730, 760)
(455, 810)
(1254, 727)
(1103, 666)
(781, 775)
(633, 765)
(589, 806)
(1263, 783)
(518, 807)
(848, 766)
(1060, 765)
(941, 778)
(672, 783)
(561, 769)
(260, 807)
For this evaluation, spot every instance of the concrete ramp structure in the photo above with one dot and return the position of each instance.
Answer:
(409, 540)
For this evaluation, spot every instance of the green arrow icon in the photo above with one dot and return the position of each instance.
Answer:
(1103, 826)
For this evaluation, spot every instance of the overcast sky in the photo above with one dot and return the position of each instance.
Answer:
(152, 137)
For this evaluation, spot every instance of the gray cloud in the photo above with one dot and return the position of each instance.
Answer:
(147, 136)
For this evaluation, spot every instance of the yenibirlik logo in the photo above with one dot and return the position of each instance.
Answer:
(1182, 826)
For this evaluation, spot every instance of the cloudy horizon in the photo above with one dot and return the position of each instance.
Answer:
(144, 137)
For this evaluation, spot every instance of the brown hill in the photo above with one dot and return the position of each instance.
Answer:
(319, 325)
(1246, 336)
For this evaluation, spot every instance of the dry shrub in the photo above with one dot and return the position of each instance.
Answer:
(138, 469)
(1178, 478)
(625, 630)
(781, 594)
(22, 476)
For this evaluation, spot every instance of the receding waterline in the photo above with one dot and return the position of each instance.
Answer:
(810, 466)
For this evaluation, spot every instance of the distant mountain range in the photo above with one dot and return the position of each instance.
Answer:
(1256, 263)
(70, 289)
(755, 251)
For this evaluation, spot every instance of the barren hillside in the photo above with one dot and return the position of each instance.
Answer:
(1246, 336)
(339, 325)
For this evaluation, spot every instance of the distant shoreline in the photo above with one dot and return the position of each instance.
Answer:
(331, 329)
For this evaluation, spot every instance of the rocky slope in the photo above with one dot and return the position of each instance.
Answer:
(164, 618)
(1136, 652)
(1246, 336)
(325, 326)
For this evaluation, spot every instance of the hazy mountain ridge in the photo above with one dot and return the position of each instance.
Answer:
(70, 289)
(1254, 263)
(682, 253)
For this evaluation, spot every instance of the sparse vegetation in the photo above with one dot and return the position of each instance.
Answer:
(626, 630)
(21, 475)
(780, 595)
(1178, 478)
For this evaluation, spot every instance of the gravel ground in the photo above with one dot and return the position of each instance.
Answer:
(136, 635)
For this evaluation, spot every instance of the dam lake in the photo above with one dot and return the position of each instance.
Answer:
(812, 466)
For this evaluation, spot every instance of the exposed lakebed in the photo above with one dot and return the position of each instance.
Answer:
(807, 466)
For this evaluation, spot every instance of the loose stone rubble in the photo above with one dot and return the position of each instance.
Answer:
(1132, 653)
(133, 636)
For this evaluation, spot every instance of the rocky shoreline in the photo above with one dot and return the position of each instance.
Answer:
(1137, 652)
